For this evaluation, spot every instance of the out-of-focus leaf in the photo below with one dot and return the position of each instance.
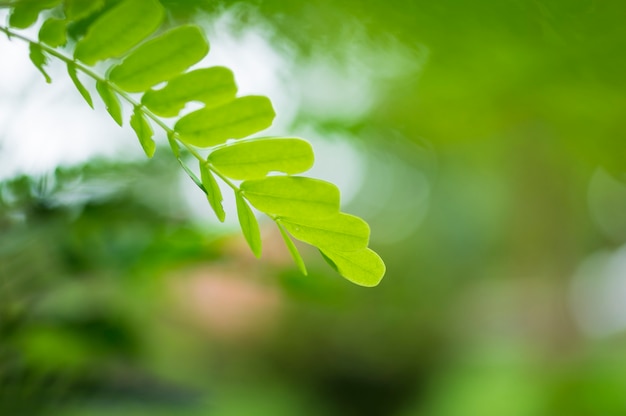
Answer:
(25, 13)
(249, 225)
(293, 196)
(213, 192)
(160, 59)
(111, 101)
(119, 29)
(71, 70)
(293, 250)
(39, 60)
(363, 267)
(144, 131)
(235, 120)
(342, 232)
(53, 32)
(212, 86)
(79, 9)
(256, 158)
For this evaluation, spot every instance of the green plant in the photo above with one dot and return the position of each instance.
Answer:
(141, 53)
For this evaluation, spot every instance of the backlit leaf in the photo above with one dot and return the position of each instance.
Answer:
(79, 9)
(234, 120)
(212, 86)
(363, 267)
(255, 158)
(53, 32)
(214, 194)
(160, 59)
(293, 196)
(26, 12)
(249, 225)
(111, 101)
(39, 60)
(144, 131)
(293, 250)
(119, 29)
(340, 232)
(71, 70)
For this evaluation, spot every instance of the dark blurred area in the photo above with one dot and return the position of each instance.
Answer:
(492, 146)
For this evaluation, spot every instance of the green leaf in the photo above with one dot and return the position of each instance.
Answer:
(249, 225)
(173, 144)
(213, 192)
(71, 70)
(342, 232)
(39, 60)
(144, 131)
(293, 196)
(293, 250)
(26, 12)
(235, 120)
(252, 159)
(119, 29)
(79, 9)
(53, 32)
(192, 175)
(363, 267)
(112, 103)
(160, 59)
(211, 86)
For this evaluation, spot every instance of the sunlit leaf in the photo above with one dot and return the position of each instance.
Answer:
(293, 196)
(293, 250)
(119, 29)
(53, 32)
(38, 59)
(235, 120)
(214, 194)
(363, 267)
(212, 86)
(71, 70)
(79, 9)
(249, 225)
(160, 59)
(111, 101)
(144, 131)
(255, 158)
(26, 12)
(339, 232)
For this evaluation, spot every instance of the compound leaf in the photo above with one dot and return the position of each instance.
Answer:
(363, 267)
(79, 9)
(249, 225)
(212, 86)
(342, 232)
(160, 59)
(53, 32)
(253, 159)
(71, 70)
(26, 12)
(119, 29)
(213, 192)
(293, 250)
(144, 131)
(234, 120)
(38, 59)
(111, 101)
(292, 196)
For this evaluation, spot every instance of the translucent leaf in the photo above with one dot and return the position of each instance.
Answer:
(255, 158)
(26, 12)
(39, 60)
(235, 120)
(71, 70)
(53, 32)
(293, 250)
(110, 100)
(214, 194)
(144, 131)
(340, 232)
(363, 267)
(79, 9)
(249, 225)
(212, 86)
(293, 196)
(119, 29)
(160, 59)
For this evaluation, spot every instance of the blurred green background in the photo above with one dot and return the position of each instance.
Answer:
(491, 158)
